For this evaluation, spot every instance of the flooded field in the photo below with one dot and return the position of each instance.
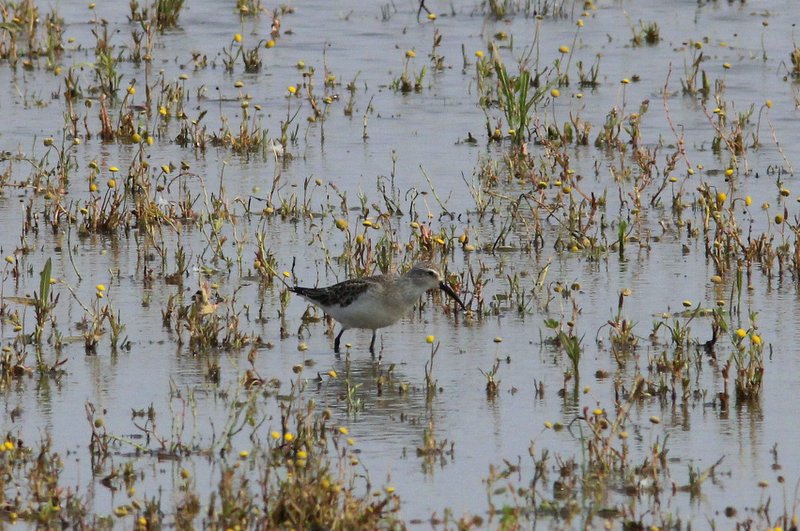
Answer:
(608, 186)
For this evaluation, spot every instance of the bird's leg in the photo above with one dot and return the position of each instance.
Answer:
(338, 340)
(421, 7)
(372, 343)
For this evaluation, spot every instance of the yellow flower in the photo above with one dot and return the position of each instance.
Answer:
(555, 93)
(411, 54)
(741, 332)
(748, 200)
(292, 89)
(113, 169)
(332, 373)
(597, 412)
(479, 54)
(431, 16)
(341, 224)
(729, 172)
(756, 339)
(162, 111)
(302, 454)
(548, 425)
(625, 81)
(580, 23)
(93, 187)
(243, 454)
(563, 49)
(166, 168)
(721, 197)
(136, 137)
(275, 435)
(430, 339)
(343, 430)
(150, 140)
(687, 303)
(778, 219)
(288, 437)
(726, 66)
(238, 37)
(100, 287)
(131, 90)
(112, 183)
(269, 44)
(301, 64)
(768, 103)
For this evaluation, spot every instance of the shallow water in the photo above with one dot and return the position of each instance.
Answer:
(423, 133)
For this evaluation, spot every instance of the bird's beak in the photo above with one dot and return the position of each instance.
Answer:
(447, 289)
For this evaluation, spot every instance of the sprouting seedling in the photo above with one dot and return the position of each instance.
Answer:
(42, 302)
(492, 383)
(572, 346)
(622, 229)
(515, 100)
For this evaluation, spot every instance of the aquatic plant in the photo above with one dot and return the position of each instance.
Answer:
(405, 83)
(515, 101)
(648, 33)
(167, 13)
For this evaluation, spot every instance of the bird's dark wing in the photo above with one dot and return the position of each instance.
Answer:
(341, 294)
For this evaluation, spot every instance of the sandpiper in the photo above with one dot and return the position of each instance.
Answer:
(375, 302)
